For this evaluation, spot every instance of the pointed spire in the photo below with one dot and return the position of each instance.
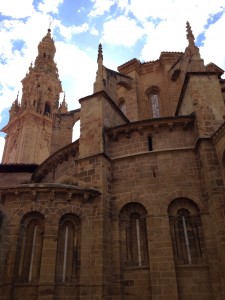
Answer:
(99, 85)
(100, 53)
(63, 106)
(192, 50)
(64, 98)
(190, 36)
(17, 98)
(15, 108)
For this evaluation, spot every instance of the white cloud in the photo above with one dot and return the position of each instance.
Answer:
(122, 31)
(16, 9)
(94, 31)
(123, 4)
(167, 37)
(100, 7)
(49, 6)
(195, 10)
(68, 31)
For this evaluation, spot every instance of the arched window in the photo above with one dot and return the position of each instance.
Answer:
(47, 110)
(122, 105)
(133, 235)
(68, 252)
(186, 232)
(154, 98)
(30, 247)
(153, 94)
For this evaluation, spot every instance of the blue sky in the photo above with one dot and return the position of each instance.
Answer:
(126, 28)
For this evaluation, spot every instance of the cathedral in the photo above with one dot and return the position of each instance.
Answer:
(132, 210)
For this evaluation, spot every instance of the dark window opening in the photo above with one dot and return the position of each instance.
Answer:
(150, 143)
(47, 109)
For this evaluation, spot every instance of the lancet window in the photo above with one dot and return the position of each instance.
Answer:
(30, 247)
(68, 252)
(154, 98)
(133, 235)
(186, 232)
(153, 94)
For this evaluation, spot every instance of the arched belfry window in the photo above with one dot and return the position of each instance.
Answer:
(186, 232)
(133, 235)
(68, 252)
(47, 111)
(153, 94)
(30, 247)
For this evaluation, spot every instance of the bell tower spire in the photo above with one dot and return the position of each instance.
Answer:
(29, 129)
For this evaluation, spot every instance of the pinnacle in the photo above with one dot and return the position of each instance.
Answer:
(190, 35)
(100, 53)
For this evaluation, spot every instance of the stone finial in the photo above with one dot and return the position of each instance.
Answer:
(100, 53)
(31, 67)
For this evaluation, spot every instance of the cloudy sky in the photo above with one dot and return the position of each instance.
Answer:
(126, 28)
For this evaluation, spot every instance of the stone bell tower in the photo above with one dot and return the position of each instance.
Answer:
(29, 129)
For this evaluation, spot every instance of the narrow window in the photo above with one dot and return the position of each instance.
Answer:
(47, 110)
(154, 98)
(133, 236)
(149, 143)
(68, 252)
(187, 239)
(30, 249)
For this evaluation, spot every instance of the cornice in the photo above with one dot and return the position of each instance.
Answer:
(51, 188)
(155, 124)
(21, 115)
